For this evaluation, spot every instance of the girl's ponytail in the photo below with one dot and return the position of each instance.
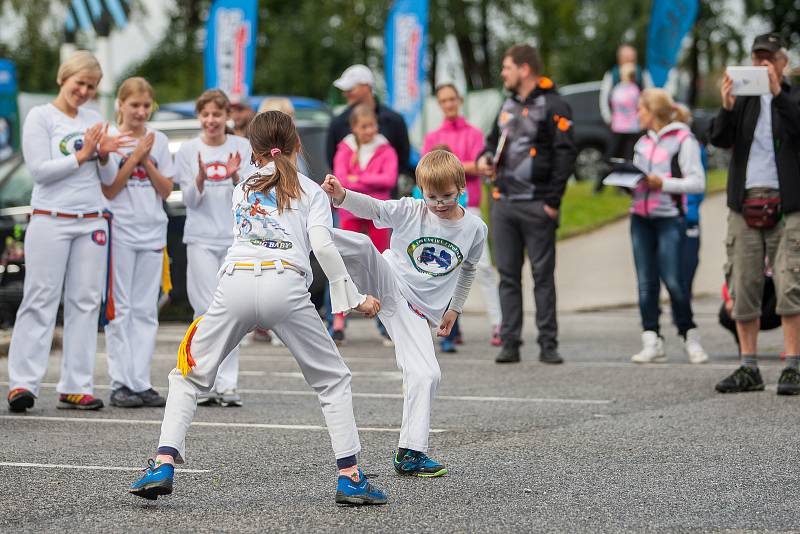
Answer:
(273, 137)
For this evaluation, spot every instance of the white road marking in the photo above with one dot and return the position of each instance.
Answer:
(261, 426)
(460, 398)
(92, 467)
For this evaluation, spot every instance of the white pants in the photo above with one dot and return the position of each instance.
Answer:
(487, 280)
(68, 254)
(411, 333)
(203, 264)
(131, 336)
(278, 301)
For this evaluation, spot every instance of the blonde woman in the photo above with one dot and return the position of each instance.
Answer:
(66, 148)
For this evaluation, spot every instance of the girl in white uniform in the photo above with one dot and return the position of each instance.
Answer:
(208, 168)
(143, 181)
(66, 149)
(280, 218)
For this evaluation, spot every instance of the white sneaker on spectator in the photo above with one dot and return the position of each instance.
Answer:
(652, 349)
(693, 347)
(276, 341)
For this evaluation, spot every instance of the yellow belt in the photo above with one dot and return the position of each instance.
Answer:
(269, 265)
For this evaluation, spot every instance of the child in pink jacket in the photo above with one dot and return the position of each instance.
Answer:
(365, 162)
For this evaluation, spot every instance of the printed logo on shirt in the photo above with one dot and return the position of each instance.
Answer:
(99, 237)
(71, 143)
(434, 256)
(255, 222)
(139, 173)
(216, 171)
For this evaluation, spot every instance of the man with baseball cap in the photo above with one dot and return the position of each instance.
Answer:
(241, 114)
(357, 83)
(764, 216)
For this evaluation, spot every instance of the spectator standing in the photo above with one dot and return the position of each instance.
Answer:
(670, 155)
(764, 216)
(357, 83)
(534, 155)
(466, 142)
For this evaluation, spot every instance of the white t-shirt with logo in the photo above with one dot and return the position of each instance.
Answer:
(139, 217)
(261, 233)
(50, 140)
(426, 251)
(208, 214)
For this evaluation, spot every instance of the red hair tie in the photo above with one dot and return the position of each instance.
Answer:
(274, 152)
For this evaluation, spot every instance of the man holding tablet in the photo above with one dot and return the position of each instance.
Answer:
(764, 200)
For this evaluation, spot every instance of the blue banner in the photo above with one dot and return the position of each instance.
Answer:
(406, 40)
(8, 108)
(670, 21)
(230, 54)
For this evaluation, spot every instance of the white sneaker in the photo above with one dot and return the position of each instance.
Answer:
(652, 349)
(693, 347)
(230, 397)
(276, 341)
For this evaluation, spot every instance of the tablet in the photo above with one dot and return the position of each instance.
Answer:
(749, 81)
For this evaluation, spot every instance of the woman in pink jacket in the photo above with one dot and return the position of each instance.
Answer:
(365, 162)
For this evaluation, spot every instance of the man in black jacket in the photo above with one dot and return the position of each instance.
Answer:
(764, 178)
(531, 154)
(356, 82)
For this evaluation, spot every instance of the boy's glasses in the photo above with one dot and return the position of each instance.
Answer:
(444, 202)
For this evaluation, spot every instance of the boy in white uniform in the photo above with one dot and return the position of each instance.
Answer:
(424, 276)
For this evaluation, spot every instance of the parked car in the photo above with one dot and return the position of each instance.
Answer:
(593, 137)
(16, 186)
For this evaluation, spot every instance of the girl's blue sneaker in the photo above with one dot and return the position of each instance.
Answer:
(349, 491)
(157, 480)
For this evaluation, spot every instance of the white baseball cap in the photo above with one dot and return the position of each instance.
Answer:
(354, 75)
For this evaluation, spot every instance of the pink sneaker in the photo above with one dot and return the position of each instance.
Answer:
(496, 341)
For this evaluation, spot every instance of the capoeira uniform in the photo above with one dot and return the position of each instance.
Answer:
(140, 235)
(428, 268)
(264, 283)
(207, 232)
(65, 248)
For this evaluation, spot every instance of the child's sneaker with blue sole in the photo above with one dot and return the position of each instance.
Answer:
(357, 493)
(157, 480)
(418, 463)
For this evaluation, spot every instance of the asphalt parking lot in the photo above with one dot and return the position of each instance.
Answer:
(596, 444)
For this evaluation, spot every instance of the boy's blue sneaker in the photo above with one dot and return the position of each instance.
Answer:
(418, 464)
(348, 491)
(157, 480)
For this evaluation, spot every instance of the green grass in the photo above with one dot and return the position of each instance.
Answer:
(582, 211)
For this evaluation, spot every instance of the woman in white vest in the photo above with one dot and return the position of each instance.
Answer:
(66, 148)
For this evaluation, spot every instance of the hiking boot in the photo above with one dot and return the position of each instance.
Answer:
(550, 356)
(789, 382)
(742, 379)
(123, 397)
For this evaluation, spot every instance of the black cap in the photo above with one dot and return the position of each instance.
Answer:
(770, 42)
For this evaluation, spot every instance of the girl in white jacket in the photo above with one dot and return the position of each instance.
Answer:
(280, 217)
(136, 199)
(208, 168)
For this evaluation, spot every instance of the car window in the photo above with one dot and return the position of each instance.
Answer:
(16, 188)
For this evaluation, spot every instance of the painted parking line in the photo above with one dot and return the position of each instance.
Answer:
(91, 467)
(459, 398)
(212, 424)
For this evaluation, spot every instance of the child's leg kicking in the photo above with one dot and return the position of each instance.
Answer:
(416, 358)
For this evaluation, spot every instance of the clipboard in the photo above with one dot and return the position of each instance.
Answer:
(624, 173)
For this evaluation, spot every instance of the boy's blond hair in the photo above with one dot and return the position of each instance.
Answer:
(438, 170)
